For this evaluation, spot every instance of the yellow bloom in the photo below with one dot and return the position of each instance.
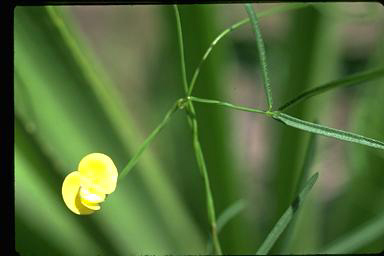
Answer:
(85, 188)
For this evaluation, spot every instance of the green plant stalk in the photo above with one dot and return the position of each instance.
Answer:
(181, 49)
(361, 236)
(282, 8)
(191, 115)
(286, 218)
(354, 79)
(148, 141)
(262, 54)
(209, 197)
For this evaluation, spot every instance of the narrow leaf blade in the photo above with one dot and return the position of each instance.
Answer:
(261, 49)
(286, 218)
(327, 131)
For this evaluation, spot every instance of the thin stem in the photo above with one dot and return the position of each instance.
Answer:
(181, 48)
(196, 144)
(147, 141)
(364, 76)
(203, 170)
(229, 105)
(238, 24)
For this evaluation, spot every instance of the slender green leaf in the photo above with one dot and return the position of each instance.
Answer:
(231, 212)
(327, 131)
(285, 219)
(307, 164)
(226, 104)
(262, 55)
(181, 48)
(347, 81)
(363, 235)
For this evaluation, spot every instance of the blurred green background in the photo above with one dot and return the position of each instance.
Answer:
(100, 78)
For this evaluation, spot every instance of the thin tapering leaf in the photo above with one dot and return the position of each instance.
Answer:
(262, 55)
(306, 167)
(228, 214)
(225, 104)
(360, 237)
(231, 212)
(327, 131)
(148, 141)
(347, 81)
(181, 48)
(285, 219)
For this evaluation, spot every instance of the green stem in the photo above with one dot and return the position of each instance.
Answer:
(203, 170)
(282, 8)
(181, 48)
(229, 105)
(196, 144)
(147, 141)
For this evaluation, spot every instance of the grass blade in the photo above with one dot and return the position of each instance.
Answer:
(327, 131)
(261, 49)
(306, 167)
(286, 217)
(181, 48)
(225, 104)
(363, 235)
(231, 212)
(147, 141)
(347, 81)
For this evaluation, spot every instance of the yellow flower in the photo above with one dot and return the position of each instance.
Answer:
(85, 188)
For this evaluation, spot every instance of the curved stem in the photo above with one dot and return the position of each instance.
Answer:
(282, 8)
(147, 141)
(181, 48)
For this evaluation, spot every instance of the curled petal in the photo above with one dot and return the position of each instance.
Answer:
(98, 172)
(90, 205)
(70, 192)
(91, 195)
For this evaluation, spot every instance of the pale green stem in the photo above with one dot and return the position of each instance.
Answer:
(229, 105)
(148, 140)
(196, 144)
(238, 24)
(181, 48)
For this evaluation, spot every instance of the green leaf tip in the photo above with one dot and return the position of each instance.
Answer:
(286, 218)
(327, 131)
(260, 46)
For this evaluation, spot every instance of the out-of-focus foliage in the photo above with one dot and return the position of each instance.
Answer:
(100, 78)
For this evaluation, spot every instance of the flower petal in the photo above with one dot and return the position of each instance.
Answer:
(98, 172)
(70, 192)
(90, 205)
(91, 195)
